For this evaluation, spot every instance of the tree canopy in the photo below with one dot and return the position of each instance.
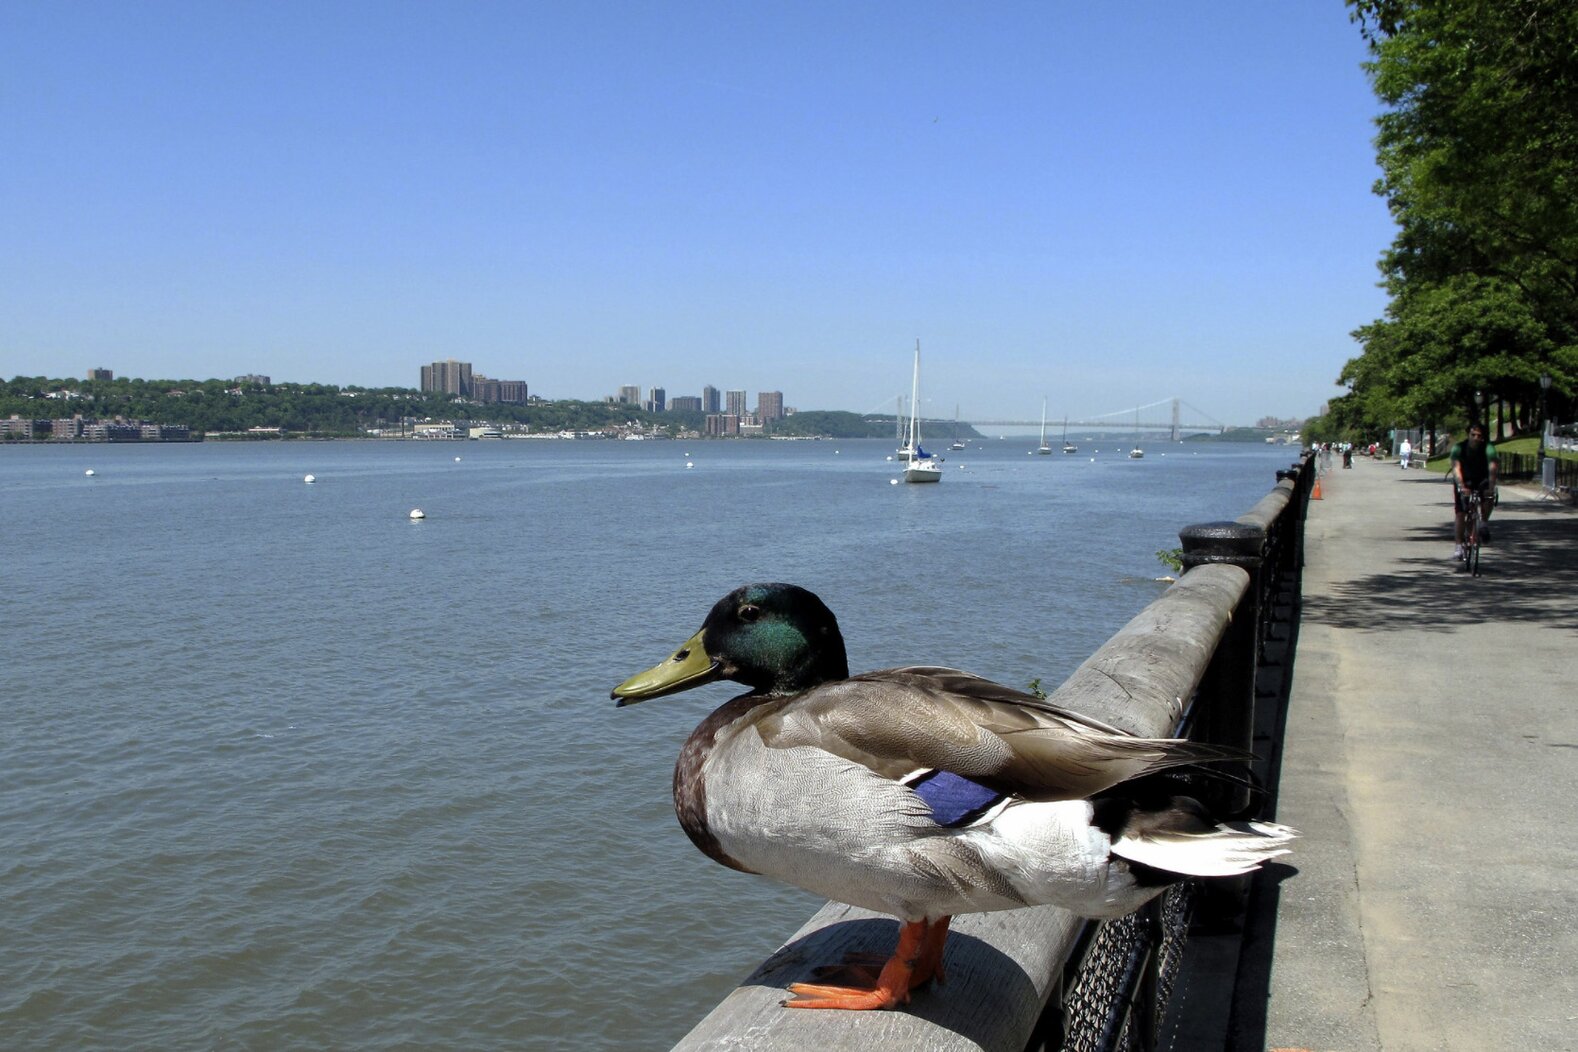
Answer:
(1478, 150)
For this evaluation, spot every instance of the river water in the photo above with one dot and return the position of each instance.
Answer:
(283, 769)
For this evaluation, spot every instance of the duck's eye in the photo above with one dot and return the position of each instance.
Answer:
(749, 613)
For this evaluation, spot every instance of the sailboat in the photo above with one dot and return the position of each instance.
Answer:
(1043, 449)
(905, 449)
(956, 444)
(1068, 447)
(922, 466)
(1136, 453)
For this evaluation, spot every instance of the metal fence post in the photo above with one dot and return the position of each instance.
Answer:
(1225, 706)
(1226, 713)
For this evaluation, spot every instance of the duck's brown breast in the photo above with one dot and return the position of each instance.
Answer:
(690, 785)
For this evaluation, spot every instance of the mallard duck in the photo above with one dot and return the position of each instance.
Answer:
(921, 792)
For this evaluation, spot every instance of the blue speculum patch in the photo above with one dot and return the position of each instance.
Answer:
(954, 800)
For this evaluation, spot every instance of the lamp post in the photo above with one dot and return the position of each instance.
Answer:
(1545, 386)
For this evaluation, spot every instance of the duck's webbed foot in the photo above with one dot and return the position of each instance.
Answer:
(916, 960)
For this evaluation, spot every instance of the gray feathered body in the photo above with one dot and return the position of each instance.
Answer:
(817, 790)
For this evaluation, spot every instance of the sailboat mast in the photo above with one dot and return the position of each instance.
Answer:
(915, 402)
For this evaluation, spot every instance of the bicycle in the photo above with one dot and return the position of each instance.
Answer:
(1473, 526)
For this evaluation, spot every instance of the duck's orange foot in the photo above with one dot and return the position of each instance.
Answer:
(916, 960)
(847, 998)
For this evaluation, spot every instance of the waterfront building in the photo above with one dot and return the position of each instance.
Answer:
(447, 376)
(684, 404)
(66, 427)
(721, 424)
(711, 400)
(769, 406)
(19, 427)
(111, 431)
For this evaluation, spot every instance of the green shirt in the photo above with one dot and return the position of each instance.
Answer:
(1476, 462)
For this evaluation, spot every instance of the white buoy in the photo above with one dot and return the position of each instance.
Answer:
(457, 460)
(418, 513)
(689, 465)
(893, 482)
(89, 472)
(310, 478)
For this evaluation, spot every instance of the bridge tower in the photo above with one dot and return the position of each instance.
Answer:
(1175, 420)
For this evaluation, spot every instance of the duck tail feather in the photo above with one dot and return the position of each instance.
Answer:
(1179, 841)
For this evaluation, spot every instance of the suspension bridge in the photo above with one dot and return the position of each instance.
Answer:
(1139, 418)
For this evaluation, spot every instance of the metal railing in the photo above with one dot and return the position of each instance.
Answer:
(1210, 658)
(1118, 989)
(1527, 466)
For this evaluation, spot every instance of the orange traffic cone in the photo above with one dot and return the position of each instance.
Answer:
(1315, 493)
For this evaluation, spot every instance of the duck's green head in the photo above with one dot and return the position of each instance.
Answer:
(774, 638)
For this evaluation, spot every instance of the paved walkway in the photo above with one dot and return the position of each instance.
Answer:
(1431, 762)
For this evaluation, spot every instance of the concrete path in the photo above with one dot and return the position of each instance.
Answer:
(1431, 762)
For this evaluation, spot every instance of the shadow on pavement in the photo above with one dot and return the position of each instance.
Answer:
(1528, 573)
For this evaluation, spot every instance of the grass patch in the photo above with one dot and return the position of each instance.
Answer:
(1526, 444)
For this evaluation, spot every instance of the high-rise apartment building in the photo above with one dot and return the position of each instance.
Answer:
(448, 376)
(488, 391)
(512, 392)
(723, 424)
(711, 400)
(734, 403)
(657, 400)
(684, 404)
(769, 405)
(101, 374)
(630, 394)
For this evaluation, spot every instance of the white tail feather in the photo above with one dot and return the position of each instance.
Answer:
(1227, 850)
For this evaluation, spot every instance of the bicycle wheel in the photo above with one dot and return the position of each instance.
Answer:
(1471, 539)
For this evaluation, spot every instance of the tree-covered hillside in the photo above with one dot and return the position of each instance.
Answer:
(229, 406)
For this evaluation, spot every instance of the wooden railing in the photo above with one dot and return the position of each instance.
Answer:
(1197, 661)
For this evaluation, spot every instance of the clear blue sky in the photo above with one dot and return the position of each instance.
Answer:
(1103, 204)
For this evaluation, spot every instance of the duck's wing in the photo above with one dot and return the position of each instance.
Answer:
(899, 722)
(967, 684)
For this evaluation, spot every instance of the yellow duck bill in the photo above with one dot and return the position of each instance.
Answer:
(689, 666)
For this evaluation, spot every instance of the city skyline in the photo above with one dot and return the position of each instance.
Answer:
(1102, 206)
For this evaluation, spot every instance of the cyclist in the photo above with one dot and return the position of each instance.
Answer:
(1474, 467)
